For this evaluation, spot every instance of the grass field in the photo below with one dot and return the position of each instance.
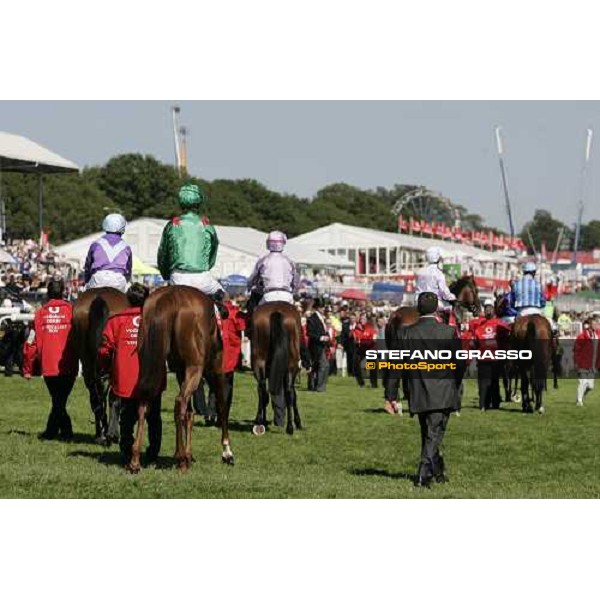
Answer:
(350, 448)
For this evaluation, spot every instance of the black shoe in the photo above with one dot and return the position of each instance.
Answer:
(151, 457)
(65, 436)
(47, 435)
(441, 478)
(423, 482)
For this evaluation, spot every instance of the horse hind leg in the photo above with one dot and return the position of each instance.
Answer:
(297, 420)
(223, 412)
(184, 417)
(289, 405)
(260, 422)
(136, 450)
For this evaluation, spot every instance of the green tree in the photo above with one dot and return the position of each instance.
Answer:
(73, 206)
(590, 235)
(139, 185)
(544, 229)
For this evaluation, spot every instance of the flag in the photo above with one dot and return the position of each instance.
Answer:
(426, 227)
(402, 224)
(416, 225)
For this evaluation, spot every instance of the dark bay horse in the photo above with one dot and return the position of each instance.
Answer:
(179, 326)
(275, 357)
(533, 332)
(90, 313)
(467, 296)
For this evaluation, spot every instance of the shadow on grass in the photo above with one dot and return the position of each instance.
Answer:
(78, 438)
(113, 458)
(245, 426)
(381, 473)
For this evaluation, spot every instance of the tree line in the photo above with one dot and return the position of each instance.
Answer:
(140, 186)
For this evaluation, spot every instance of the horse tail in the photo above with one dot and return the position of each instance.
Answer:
(537, 358)
(98, 315)
(153, 349)
(277, 357)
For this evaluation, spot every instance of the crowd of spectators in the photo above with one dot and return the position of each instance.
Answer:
(34, 266)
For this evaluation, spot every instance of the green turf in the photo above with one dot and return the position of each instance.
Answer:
(349, 448)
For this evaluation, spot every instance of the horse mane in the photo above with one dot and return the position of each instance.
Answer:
(456, 287)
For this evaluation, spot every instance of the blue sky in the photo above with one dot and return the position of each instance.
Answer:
(299, 146)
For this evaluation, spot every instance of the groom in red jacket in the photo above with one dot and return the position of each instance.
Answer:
(118, 355)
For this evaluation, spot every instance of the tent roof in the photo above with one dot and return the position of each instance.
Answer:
(17, 153)
(338, 235)
(243, 240)
(6, 258)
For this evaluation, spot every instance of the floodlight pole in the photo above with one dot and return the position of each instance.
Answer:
(175, 115)
(504, 182)
(588, 147)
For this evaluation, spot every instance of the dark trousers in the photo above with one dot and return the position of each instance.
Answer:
(128, 417)
(350, 350)
(433, 426)
(488, 379)
(59, 422)
(319, 370)
(208, 409)
(359, 356)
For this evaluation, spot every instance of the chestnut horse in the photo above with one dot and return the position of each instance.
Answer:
(533, 332)
(179, 326)
(90, 313)
(275, 342)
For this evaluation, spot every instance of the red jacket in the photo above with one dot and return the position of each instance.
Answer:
(583, 351)
(51, 347)
(488, 332)
(364, 337)
(474, 323)
(118, 351)
(231, 329)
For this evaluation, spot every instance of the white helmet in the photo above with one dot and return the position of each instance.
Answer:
(433, 255)
(529, 267)
(276, 241)
(114, 223)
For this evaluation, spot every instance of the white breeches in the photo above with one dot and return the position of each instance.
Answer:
(108, 279)
(277, 296)
(530, 310)
(204, 282)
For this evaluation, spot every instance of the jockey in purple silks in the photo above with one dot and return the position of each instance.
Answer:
(109, 259)
(275, 275)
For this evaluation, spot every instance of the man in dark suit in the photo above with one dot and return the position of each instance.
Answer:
(433, 395)
(317, 343)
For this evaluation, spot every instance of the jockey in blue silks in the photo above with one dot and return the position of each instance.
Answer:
(527, 297)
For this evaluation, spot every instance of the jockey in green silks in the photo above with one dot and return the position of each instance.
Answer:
(188, 248)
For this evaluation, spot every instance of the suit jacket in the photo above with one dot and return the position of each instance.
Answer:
(314, 330)
(434, 390)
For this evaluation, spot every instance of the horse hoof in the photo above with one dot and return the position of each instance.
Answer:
(298, 425)
(259, 430)
(289, 430)
(132, 469)
(228, 460)
(541, 410)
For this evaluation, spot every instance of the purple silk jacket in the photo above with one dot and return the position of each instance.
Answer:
(109, 253)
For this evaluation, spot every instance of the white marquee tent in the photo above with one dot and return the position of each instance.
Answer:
(239, 247)
(382, 253)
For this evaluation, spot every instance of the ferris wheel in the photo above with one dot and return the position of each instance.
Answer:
(427, 205)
